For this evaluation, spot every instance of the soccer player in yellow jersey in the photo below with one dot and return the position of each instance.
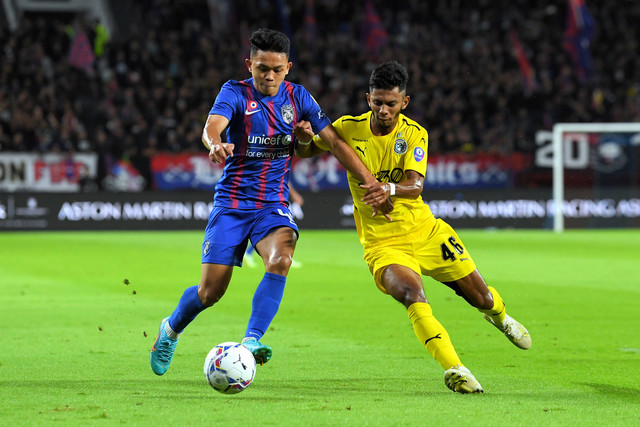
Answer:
(407, 241)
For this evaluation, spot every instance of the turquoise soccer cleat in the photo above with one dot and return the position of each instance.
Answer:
(162, 350)
(261, 352)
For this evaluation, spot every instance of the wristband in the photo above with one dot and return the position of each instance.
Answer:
(392, 189)
(305, 143)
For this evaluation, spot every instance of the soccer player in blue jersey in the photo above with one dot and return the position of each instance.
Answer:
(251, 197)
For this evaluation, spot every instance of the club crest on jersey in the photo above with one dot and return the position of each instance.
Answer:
(287, 113)
(400, 146)
(418, 154)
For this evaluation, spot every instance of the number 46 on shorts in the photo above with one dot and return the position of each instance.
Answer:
(449, 251)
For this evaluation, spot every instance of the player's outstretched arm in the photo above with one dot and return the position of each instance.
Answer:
(348, 159)
(218, 150)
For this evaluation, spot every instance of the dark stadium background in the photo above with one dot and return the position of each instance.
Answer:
(102, 105)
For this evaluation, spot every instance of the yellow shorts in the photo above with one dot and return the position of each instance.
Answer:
(438, 253)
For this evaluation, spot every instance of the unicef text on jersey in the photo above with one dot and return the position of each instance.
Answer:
(268, 147)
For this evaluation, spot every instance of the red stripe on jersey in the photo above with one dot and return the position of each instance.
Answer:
(283, 183)
(251, 105)
(237, 179)
(235, 183)
(272, 131)
(266, 165)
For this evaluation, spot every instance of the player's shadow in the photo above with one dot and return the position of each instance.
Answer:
(626, 393)
(322, 386)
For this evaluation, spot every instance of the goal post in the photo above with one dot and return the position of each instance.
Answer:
(559, 130)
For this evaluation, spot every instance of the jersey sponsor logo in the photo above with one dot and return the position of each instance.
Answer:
(269, 147)
(282, 139)
(361, 150)
(394, 175)
(257, 154)
(418, 154)
(400, 146)
(251, 108)
(287, 113)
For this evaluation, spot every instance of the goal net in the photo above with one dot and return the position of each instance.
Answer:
(599, 161)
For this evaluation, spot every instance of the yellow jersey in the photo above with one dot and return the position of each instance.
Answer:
(388, 158)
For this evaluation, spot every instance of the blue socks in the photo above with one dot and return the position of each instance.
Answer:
(187, 310)
(266, 302)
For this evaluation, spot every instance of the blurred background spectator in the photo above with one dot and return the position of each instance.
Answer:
(148, 87)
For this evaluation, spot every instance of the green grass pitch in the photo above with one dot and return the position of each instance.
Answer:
(76, 337)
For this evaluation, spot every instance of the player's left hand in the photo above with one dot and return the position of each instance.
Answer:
(303, 131)
(385, 209)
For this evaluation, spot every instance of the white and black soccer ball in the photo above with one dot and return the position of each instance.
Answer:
(229, 367)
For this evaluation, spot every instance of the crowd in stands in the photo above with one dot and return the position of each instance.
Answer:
(152, 84)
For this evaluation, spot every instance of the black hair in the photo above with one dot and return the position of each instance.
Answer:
(269, 41)
(389, 75)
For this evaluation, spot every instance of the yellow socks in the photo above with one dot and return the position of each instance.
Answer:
(436, 339)
(432, 335)
(498, 312)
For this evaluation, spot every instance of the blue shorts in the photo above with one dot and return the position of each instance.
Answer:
(229, 230)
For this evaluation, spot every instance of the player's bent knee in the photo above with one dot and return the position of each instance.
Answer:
(278, 264)
(408, 295)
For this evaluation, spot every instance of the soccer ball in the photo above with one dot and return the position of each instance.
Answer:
(229, 367)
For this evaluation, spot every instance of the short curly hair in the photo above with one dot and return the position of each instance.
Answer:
(268, 40)
(389, 75)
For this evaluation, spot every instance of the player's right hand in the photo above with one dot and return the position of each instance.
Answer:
(219, 152)
(377, 196)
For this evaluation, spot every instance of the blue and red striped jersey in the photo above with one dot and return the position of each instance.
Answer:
(261, 127)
